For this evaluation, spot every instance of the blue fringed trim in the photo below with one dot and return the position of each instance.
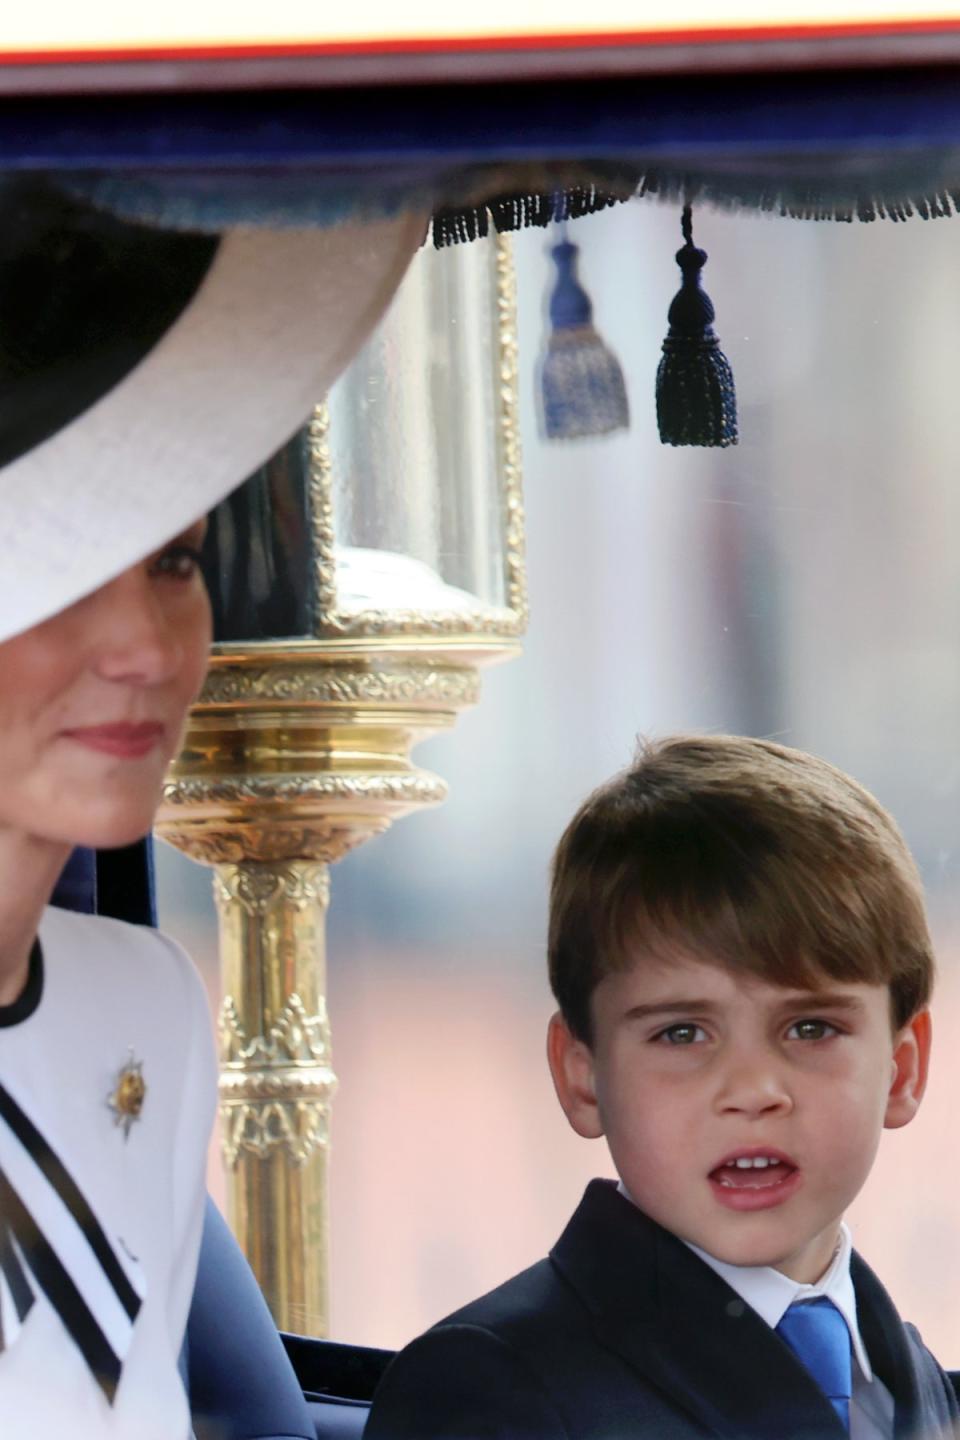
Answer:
(205, 203)
(506, 213)
(512, 196)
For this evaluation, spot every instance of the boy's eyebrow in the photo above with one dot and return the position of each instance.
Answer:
(669, 1007)
(814, 999)
(822, 1000)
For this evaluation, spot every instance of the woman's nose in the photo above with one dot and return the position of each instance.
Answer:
(132, 634)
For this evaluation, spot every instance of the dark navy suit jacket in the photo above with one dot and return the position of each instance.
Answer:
(624, 1334)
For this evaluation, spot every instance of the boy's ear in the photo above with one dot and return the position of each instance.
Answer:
(911, 1062)
(571, 1065)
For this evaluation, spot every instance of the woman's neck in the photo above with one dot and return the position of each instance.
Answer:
(28, 872)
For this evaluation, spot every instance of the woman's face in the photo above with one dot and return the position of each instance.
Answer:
(93, 702)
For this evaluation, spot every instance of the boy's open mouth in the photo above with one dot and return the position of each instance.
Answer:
(757, 1172)
(751, 1179)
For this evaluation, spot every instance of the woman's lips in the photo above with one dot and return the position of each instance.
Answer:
(127, 742)
(753, 1187)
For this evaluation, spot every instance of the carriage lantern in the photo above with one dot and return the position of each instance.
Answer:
(359, 580)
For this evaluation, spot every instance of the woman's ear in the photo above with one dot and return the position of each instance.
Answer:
(911, 1063)
(571, 1065)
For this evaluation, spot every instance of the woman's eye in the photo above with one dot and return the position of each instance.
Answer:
(177, 562)
(811, 1030)
(684, 1034)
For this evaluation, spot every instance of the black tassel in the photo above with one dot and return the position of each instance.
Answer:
(696, 401)
(581, 383)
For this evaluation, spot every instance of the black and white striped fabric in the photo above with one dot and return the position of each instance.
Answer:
(52, 1242)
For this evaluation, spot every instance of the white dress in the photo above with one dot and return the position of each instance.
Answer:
(112, 994)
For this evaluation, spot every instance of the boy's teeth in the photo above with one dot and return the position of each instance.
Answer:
(745, 1165)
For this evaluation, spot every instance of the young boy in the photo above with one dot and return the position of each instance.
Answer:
(740, 955)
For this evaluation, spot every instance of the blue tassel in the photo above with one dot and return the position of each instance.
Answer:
(581, 382)
(696, 400)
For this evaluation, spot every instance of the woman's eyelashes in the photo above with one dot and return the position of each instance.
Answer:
(177, 562)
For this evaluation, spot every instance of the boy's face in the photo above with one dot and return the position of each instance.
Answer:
(694, 1069)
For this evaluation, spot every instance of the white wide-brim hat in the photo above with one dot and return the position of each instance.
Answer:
(118, 430)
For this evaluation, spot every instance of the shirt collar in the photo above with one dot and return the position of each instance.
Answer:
(771, 1293)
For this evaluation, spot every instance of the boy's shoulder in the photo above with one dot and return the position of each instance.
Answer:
(490, 1368)
(533, 1306)
(529, 1360)
(516, 1364)
(520, 1307)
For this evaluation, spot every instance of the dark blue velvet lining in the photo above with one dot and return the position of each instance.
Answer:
(110, 882)
(77, 886)
(419, 132)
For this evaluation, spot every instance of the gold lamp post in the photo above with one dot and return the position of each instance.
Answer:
(360, 581)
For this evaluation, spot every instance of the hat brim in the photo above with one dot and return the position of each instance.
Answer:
(278, 316)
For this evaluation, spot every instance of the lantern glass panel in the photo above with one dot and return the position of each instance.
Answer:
(415, 447)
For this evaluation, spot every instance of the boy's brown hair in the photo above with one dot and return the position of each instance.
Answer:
(744, 853)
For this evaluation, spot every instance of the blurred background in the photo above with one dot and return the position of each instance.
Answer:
(803, 586)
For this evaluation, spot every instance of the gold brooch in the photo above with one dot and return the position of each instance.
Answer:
(129, 1093)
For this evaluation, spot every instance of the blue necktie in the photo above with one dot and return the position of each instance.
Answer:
(817, 1334)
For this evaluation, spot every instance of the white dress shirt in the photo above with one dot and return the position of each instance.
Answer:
(771, 1293)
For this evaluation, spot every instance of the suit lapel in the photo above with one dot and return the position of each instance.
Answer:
(922, 1406)
(681, 1327)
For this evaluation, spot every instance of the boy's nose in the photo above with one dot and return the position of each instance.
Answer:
(753, 1087)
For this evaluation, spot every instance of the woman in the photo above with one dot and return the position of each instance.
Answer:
(106, 1060)
(148, 373)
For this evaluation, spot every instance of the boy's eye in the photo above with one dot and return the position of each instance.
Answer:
(811, 1030)
(683, 1034)
(176, 562)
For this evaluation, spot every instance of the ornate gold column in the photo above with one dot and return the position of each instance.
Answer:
(276, 1080)
(285, 768)
(299, 749)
